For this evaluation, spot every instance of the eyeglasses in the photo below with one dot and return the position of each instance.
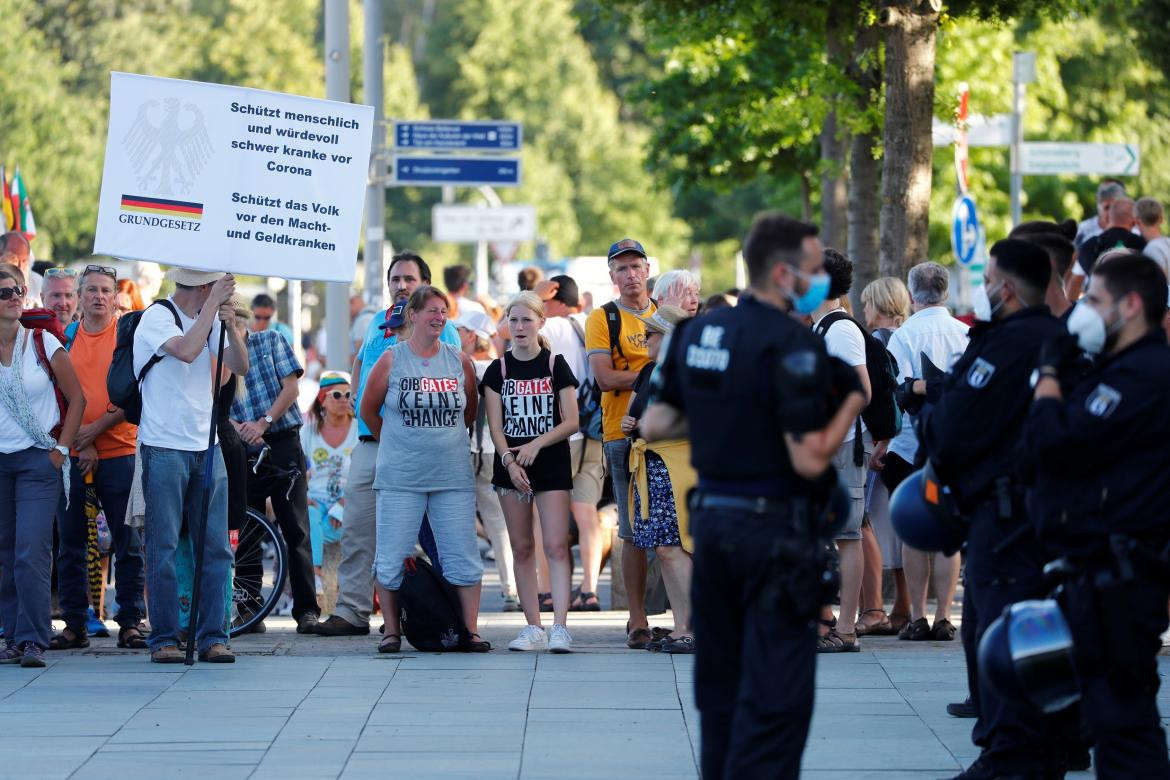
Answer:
(60, 273)
(102, 269)
(8, 293)
(337, 395)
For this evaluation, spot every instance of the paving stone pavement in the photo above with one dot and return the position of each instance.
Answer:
(314, 707)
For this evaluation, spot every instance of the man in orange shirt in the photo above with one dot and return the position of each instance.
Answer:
(104, 447)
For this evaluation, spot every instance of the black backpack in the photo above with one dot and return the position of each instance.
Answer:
(429, 611)
(588, 393)
(882, 415)
(123, 386)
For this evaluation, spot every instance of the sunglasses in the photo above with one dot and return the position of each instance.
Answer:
(102, 269)
(8, 293)
(262, 318)
(60, 273)
(337, 395)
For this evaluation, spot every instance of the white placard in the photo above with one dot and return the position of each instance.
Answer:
(224, 178)
(1038, 157)
(471, 224)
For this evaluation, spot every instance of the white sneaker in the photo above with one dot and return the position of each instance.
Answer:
(559, 640)
(530, 638)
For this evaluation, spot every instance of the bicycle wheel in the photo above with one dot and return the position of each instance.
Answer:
(260, 570)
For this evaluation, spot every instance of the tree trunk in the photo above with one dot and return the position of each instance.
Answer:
(864, 168)
(906, 165)
(834, 137)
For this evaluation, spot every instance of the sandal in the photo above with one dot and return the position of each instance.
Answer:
(683, 645)
(130, 637)
(880, 628)
(915, 631)
(639, 639)
(61, 642)
(391, 643)
(830, 642)
(478, 644)
(943, 631)
(898, 621)
(585, 601)
(849, 643)
(545, 600)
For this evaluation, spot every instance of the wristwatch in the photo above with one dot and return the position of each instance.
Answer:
(1040, 373)
(268, 419)
(61, 448)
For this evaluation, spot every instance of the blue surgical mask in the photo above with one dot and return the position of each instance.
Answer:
(814, 296)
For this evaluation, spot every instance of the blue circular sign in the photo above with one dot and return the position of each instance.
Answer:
(964, 229)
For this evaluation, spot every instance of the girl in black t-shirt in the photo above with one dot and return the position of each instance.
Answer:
(525, 392)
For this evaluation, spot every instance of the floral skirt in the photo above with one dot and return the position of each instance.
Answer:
(661, 528)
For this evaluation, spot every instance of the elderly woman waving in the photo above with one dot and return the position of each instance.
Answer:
(34, 444)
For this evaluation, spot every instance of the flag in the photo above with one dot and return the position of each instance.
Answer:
(5, 202)
(22, 207)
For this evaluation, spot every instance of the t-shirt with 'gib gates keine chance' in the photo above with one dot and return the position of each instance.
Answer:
(532, 409)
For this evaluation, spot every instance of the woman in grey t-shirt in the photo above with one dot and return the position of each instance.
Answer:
(420, 398)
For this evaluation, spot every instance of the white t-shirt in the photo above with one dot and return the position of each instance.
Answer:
(563, 340)
(328, 466)
(176, 396)
(1158, 250)
(481, 438)
(943, 338)
(843, 340)
(41, 398)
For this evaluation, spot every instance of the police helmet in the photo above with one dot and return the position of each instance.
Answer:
(923, 515)
(837, 511)
(1026, 655)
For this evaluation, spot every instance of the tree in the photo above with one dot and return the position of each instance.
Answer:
(907, 148)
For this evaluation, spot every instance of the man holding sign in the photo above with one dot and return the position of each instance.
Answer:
(173, 435)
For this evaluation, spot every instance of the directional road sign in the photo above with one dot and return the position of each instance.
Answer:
(1050, 158)
(439, 170)
(449, 135)
(964, 229)
(470, 224)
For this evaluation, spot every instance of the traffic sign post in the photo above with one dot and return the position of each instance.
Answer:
(1054, 157)
(447, 135)
(470, 224)
(441, 170)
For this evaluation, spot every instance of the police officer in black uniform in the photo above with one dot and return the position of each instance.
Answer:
(766, 409)
(970, 434)
(1101, 450)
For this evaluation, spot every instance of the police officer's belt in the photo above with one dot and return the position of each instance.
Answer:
(759, 505)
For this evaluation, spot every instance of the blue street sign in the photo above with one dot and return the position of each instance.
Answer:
(964, 229)
(458, 136)
(438, 170)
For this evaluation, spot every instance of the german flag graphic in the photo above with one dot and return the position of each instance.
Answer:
(166, 208)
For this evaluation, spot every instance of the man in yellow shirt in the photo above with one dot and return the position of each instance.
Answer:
(615, 339)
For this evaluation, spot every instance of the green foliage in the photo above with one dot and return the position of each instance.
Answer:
(1093, 84)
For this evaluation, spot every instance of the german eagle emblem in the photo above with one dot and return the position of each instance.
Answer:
(168, 146)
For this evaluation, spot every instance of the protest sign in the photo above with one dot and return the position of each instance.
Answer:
(225, 178)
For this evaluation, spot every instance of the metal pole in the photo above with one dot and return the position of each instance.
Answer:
(372, 59)
(481, 249)
(338, 347)
(1023, 73)
(1017, 139)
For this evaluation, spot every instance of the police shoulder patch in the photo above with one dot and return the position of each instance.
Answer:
(980, 373)
(1103, 401)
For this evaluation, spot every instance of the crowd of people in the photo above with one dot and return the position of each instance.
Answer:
(694, 417)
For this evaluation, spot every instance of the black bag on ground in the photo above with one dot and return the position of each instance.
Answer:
(122, 384)
(428, 606)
